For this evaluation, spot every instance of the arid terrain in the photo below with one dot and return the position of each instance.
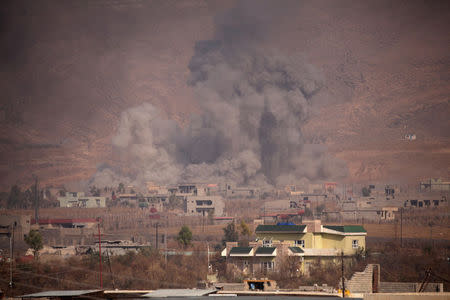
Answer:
(385, 67)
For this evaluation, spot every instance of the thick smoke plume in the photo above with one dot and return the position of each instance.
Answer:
(254, 103)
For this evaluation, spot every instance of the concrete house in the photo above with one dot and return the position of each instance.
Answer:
(435, 184)
(203, 205)
(20, 224)
(78, 199)
(304, 244)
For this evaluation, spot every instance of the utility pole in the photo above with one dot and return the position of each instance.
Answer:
(431, 234)
(207, 244)
(165, 240)
(401, 227)
(36, 200)
(156, 228)
(345, 192)
(396, 235)
(207, 253)
(203, 221)
(342, 274)
(100, 252)
(11, 257)
(110, 269)
(264, 214)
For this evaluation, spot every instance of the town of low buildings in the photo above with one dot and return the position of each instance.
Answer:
(291, 225)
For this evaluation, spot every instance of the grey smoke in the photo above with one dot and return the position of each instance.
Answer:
(254, 103)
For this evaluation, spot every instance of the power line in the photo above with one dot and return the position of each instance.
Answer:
(174, 284)
(56, 278)
(24, 284)
(42, 289)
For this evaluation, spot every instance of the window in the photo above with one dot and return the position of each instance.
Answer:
(355, 244)
(300, 243)
(267, 243)
(267, 265)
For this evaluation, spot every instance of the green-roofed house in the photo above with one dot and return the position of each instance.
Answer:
(306, 242)
(314, 235)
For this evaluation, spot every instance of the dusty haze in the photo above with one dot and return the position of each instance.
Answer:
(249, 91)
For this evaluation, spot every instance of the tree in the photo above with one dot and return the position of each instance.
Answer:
(34, 241)
(230, 234)
(95, 191)
(174, 202)
(121, 188)
(366, 191)
(15, 197)
(245, 230)
(319, 209)
(289, 272)
(184, 236)
(308, 212)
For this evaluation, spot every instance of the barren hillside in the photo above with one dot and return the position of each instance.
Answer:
(71, 68)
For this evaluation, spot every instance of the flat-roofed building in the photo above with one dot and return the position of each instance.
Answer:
(204, 205)
(78, 199)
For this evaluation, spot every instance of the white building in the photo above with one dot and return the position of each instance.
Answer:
(204, 205)
(78, 199)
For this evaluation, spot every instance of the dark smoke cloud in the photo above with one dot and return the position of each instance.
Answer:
(254, 103)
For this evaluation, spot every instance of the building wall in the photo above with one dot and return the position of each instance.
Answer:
(278, 237)
(92, 202)
(278, 205)
(332, 241)
(68, 201)
(251, 265)
(258, 260)
(82, 201)
(348, 247)
(318, 240)
(191, 207)
(68, 236)
(22, 224)
(309, 261)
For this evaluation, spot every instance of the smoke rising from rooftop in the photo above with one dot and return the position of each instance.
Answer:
(254, 103)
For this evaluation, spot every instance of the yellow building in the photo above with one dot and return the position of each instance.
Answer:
(306, 243)
(314, 236)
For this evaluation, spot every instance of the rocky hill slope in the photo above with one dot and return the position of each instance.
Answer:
(71, 68)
